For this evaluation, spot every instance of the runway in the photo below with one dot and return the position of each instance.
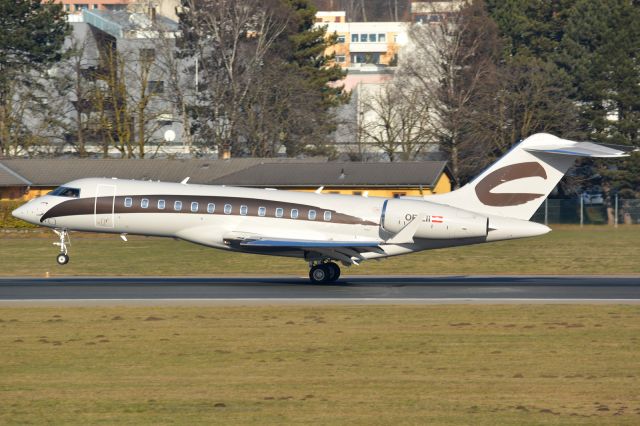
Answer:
(350, 289)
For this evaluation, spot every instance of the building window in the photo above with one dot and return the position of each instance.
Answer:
(262, 211)
(177, 206)
(363, 38)
(156, 87)
(194, 207)
(227, 209)
(67, 8)
(365, 58)
(327, 216)
(147, 55)
(357, 192)
(128, 202)
(211, 208)
(341, 59)
(354, 38)
(399, 194)
(80, 7)
(279, 212)
(244, 210)
(382, 38)
(144, 203)
(341, 39)
(294, 213)
(95, 7)
(312, 215)
(160, 204)
(372, 38)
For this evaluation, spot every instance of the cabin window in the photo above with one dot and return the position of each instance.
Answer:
(128, 202)
(244, 210)
(262, 211)
(177, 206)
(327, 216)
(194, 207)
(63, 191)
(294, 213)
(312, 215)
(161, 204)
(227, 208)
(144, 203)
(279, 212)
(211, 208)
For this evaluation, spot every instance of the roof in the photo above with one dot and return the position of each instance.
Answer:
(54, 172)
(10, 178)
(425, 173)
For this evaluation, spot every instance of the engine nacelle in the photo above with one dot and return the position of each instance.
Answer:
(436, 221)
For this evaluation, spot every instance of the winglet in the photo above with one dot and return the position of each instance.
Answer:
(405, 235)
(185, 180)
(319, 190)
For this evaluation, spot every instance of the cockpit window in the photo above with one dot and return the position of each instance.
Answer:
(64, 191)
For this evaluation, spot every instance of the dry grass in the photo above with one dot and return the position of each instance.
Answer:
(374, 365)
(566, 250)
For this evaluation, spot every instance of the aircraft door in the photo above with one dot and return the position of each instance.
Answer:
(103, 208)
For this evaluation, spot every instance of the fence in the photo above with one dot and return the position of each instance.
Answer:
(579, 211)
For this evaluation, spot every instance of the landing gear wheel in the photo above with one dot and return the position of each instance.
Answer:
(334, 271)
(319, 274)
(62, 259)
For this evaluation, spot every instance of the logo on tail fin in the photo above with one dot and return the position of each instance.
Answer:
(507, 174)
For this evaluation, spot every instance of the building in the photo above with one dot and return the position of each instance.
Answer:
(75, 7)
(434, 11)
(29, 178)
(331, 17)
(366, 43)
(397, 179)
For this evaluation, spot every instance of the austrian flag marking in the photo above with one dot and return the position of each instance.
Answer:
(437, 219)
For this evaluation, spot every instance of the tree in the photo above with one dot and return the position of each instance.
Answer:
(31, 39)
(263, 76)
(229, 40)
(396, 120)
(601, 51)
(450, 63)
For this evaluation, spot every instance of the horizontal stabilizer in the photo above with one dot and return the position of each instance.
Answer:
(582, 149)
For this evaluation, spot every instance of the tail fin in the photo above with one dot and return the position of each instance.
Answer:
(517, 184)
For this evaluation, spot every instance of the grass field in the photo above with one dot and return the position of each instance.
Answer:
(566, 250)
(367, 365)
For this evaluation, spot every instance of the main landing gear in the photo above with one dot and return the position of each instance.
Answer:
(324, 272)
(62, 258)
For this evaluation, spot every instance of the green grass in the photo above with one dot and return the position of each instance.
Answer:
(365, 365)
(566, 250)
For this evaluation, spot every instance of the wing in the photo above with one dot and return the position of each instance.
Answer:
(347, 251)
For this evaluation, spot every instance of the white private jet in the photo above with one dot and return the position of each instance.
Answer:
(321, 228)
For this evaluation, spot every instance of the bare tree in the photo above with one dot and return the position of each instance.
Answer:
(396, 120)
(449, 63)
(230, 40)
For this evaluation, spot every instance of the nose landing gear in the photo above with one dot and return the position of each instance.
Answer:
(62, 258)
(324, 272)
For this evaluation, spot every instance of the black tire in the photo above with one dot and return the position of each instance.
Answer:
(334, 271)
(62, 259)
(319, 274)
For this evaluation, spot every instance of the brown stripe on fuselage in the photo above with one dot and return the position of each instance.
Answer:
(508, 174)
(85, 206)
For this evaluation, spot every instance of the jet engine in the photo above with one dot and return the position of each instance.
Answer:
(436, 221)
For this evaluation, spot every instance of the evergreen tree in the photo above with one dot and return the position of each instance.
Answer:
(601, 51)
(31, 38)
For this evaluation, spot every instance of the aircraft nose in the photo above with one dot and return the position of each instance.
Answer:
(22, 212)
